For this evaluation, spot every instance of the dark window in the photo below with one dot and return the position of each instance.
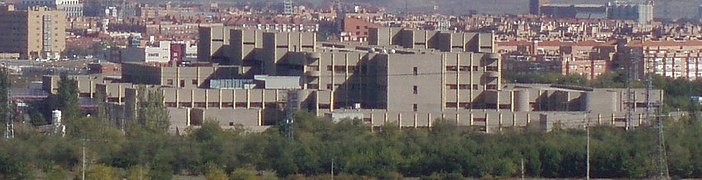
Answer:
(256, 105)
(452, 86)
(312, 86)
(169, 82)
(194, 81)
(414, 107)
(324, 106)
(451, 104)
(505, 106)
(451, 68)
(182, 83)
(465, 105)
(464, 68)
(231, 123)
(475, 68)
(414, 89)
(415, 70)
(241, 104)
(339, 69)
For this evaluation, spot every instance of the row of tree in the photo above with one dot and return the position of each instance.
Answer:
(144, 150)
(444, 151)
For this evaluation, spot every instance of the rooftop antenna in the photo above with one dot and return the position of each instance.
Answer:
(406, 7)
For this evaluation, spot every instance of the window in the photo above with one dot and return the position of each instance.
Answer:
(475, 68)
(414, 89)
(182, 83)
(414, 107)
(256, 105)
(491, 86)
(169, 82)
(464, 86)
(465, 105)
(324, 106)
(415, 71)
(339, 69)
(491, 68)
(464, 68)
(231, 123)
(451, 68)
(475, 87)
(358, 27)
(329, 68)
(452, 86)
(329, 86)
(240, 104)
(505, 106)
(451, 104)
(194, 81)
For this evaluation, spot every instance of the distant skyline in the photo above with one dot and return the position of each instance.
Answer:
(677, 8)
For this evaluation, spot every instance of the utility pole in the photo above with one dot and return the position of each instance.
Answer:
(587, 164)
(83, 159)
(587, 151)
(662, 159)
(632, 74)
(522, 164)
(332, 169)
(10, 128)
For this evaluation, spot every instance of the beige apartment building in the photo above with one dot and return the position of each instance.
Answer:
(38, 32)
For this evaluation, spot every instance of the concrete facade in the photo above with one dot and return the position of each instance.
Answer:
(442, 41)
(409, 87)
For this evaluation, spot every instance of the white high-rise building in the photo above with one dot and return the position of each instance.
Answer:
(640, 12)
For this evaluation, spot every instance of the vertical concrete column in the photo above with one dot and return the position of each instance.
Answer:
(487, 121)
(399, 120)
(415, 120)
(458, 119)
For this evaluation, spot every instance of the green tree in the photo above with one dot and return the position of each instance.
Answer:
(102, 172)
(5, 85)
(138, 172)
(66, 99)
(151, 112)
(243, 174)
(215, 173)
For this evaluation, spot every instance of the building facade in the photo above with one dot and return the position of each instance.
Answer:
(37, 32)
(458, 79)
